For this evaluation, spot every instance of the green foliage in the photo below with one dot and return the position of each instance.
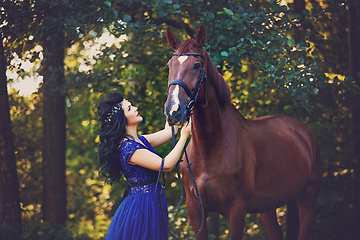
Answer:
(46, 231)
(261, 37)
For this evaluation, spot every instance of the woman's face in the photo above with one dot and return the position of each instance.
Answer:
(132, 115)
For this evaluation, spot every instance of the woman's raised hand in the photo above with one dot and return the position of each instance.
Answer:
(186, 129)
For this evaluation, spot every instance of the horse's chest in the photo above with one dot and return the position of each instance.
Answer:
(216, 176)
(212, 192)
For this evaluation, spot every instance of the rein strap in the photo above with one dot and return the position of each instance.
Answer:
(181, 197)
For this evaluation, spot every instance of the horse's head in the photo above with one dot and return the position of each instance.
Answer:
(186, 75)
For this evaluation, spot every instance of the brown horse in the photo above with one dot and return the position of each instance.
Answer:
(240, 166)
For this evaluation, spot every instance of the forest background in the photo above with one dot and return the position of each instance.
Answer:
(297, 58)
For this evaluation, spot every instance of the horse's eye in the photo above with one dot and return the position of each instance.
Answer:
(196, 66)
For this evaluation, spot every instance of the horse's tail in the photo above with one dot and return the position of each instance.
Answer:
(292, 221)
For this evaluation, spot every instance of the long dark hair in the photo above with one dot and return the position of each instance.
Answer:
(112, 132)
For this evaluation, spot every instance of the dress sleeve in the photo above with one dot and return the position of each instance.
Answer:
(127, 149)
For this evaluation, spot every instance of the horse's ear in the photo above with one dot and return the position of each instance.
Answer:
(172, 39)
(200, 37)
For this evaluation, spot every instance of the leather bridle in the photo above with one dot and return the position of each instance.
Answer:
(193, 95)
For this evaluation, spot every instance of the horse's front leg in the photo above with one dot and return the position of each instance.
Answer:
(196, 218)
(236, 216)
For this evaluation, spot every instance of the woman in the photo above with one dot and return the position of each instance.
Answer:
(122, 151)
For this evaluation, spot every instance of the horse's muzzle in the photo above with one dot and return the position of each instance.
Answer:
(178, 116)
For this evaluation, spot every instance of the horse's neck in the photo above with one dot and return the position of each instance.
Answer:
(208, 122)
(213, 122)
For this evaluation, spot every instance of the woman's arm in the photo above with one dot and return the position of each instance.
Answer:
(150, 160)
(161, 137)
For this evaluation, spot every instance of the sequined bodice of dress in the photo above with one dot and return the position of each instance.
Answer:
(135, 173)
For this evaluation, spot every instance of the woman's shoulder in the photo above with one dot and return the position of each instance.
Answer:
(128, 147)
(130, 144)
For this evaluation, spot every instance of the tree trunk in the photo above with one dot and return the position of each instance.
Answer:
(54, 120)
(355, 107)
(10, 212)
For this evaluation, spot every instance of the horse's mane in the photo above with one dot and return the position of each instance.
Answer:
(221, 87)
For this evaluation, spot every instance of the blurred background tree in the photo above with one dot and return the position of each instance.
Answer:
(291, 59)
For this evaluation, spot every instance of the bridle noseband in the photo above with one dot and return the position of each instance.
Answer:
(193, 95)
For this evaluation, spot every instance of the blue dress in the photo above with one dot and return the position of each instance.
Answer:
(139, 217)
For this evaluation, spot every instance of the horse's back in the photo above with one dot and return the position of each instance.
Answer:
(285, 134)
(285, 127)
